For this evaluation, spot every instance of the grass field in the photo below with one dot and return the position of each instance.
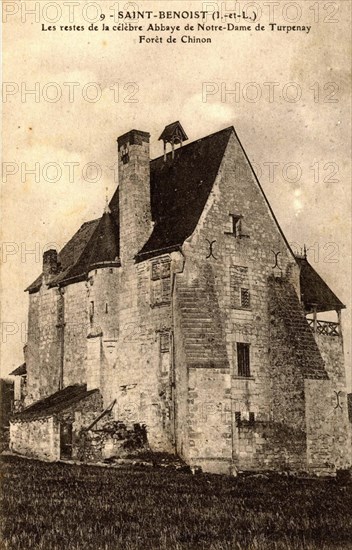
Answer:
(65, 507)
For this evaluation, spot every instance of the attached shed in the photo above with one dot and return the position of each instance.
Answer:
(48, 429)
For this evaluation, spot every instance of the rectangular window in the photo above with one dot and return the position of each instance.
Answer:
(236, 225)
(161, 269)
(239, 287)
(251, 418)
(60, 311)
(161, 282)
(237, 419)
(161, 292)
(245, 298)
(164, 342)
(165, 352)
(91, 311)
(243, 365)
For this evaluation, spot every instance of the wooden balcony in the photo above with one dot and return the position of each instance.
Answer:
(327, 328)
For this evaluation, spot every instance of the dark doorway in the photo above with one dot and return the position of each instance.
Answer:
(66, 440)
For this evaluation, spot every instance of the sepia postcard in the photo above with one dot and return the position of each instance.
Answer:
(176, 260)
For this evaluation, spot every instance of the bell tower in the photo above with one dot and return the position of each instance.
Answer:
(174, 134)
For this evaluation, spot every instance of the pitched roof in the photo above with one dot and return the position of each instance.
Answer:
(172, 131)
(315, 292)
(286, 309)
(179, 189)
(55, 403)
(19, 371)
(102, 249)
(70, 252)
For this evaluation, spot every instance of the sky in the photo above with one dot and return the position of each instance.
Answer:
(286, 94)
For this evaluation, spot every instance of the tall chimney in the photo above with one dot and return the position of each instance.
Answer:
(50, 264)
(134, 193)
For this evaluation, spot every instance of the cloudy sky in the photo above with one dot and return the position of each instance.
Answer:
(290, 108)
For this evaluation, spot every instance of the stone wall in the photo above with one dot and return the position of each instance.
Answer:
(328, 434)
(110, 439)
(57, 340)
(118, 349)
(40, 437)
(142, 381)
(172, 364)
(75, 334)
(43, 352)
(235, 192)
(37, 438)
(57, 336)
(276, 446)
(103, 330)
(209, 419)
(328, 440)
(268, 409)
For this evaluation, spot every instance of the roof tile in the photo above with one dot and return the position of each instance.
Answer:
(55, 403)
(315, 291)
(179, 188)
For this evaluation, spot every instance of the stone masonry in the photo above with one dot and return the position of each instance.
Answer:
(182, 306)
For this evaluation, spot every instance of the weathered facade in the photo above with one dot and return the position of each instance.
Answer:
(184, 310)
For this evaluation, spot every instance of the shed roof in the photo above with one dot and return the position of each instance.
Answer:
(19, 371)
(314, 290)
(55, 403)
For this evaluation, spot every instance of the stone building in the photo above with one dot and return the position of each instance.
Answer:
(183, 309)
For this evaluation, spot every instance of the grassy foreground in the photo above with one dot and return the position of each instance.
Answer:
(67, 507)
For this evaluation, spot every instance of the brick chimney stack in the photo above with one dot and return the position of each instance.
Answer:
(50, 264)
(134, 193)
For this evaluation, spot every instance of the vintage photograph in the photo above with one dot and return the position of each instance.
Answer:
(176, 276)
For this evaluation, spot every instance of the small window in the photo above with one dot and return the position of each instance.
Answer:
(239, 287)
(161, 292)
(237, 419)
(125, 156)
(161, 269)
(106, 308)
(91, 311)
(165, 355)
(60, 312)
(164, 342)
(161, 282)
(251, 418)
(236, 225)
(245, 298)
(243, 366)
